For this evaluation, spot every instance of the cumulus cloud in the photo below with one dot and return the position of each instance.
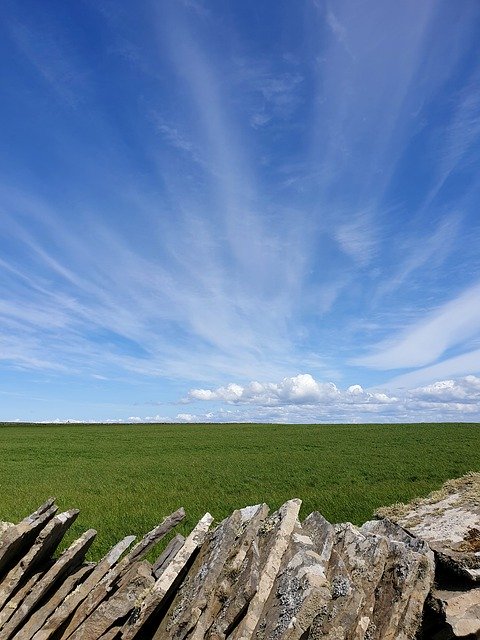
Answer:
(302, 398)
(301, 389)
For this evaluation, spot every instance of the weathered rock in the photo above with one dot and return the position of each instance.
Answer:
(167, 555)
(36, 621)
(203, 592)
(15, 541)
(138, 581)
(5, 525)
(71, 602)
(449, 520)
(111, 634)
(101, 590)
(240, 576)
(355, 568)
(282, 524)
(14, 602)
(172, 574)
(406, 581)
(70, 558)
(155, 535)
(461, 611)
(300, 591)
(322, 534)
(44, 546)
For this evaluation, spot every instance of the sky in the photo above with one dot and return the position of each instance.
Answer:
(214, 210)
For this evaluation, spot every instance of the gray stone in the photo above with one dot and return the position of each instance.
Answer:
(36, 621)
(449, 520)
(138, 581)
(170, 576)
(101, 590)
(74, 599)
(461, 610)
(44, 546)
(70, 558)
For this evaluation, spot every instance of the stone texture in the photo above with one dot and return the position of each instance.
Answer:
(278, 532)
(254, 576)
(70, 558)
(137, 582)
(72, 601)
(449, 520)
(200, 599)
(15, 541)
(461, 611)
(170, 576)
(36, 621)
(167, 555)
(300, 590)
(101, 590)
(44, 546)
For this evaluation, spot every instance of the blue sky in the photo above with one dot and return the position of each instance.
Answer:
(219, 210)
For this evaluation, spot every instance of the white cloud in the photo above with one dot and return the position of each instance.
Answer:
(423, 343)
(456, 366)
(303, 399)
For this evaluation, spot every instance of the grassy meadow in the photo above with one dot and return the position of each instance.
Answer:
(125, 478)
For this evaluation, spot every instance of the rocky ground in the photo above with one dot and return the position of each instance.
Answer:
(413, 572)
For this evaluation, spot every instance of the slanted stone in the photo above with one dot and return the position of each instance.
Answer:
(461, 611)
(240, 577)
(14, 602)
(36, 621)
(355, 569)
(449, 520)
(322, 534)
(404, 586)
(111, 634)
(204, 590)
(69, 559)
(105, 585)
(155, 535)
(168, 554)
(138, 580)
(16, 541)
(282, 524)
(44, 546)
(72, 601)
(301, 589)
(173, 573)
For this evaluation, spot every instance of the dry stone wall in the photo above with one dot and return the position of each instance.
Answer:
(256, 575)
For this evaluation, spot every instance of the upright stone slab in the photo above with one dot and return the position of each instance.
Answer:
(406, 581)
(173, 573)
(16, 541)
(107, 583)
(204, 590)
(301, 589)
(70, 558)
(63, 612)
(277, 534)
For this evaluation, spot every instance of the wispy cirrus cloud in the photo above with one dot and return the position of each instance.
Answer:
(241, 203)
(427, 340)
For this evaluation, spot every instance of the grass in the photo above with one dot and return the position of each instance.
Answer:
(125, 478)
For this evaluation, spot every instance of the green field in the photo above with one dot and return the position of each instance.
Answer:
(125, 478)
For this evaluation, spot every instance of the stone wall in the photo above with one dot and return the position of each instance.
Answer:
(414, 572)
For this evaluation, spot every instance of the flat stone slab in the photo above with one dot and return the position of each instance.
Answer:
(461, 610)
(449, 521)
